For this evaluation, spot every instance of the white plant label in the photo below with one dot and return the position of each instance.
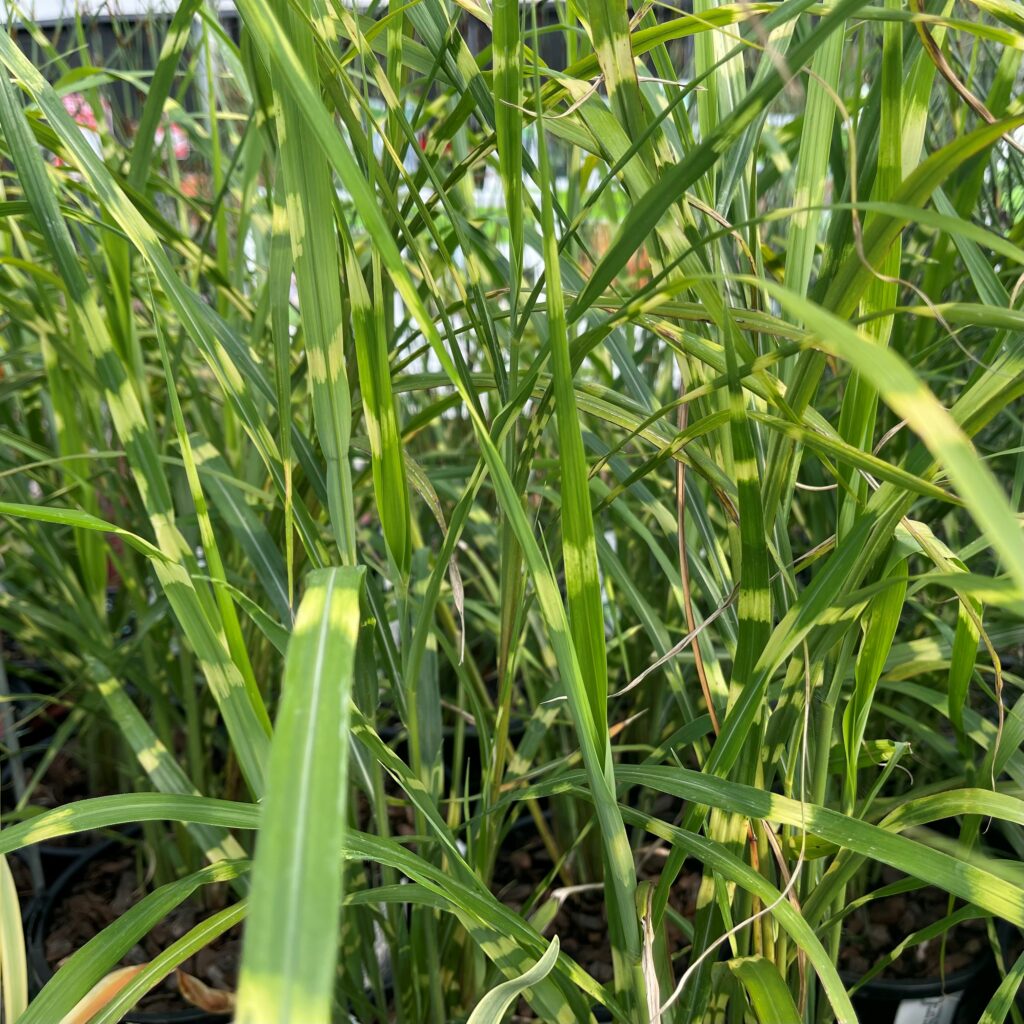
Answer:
(938, 1010)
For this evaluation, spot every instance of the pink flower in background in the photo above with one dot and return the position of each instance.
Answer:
(180, 145)
(80, 110)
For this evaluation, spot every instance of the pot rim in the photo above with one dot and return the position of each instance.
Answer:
(39, 914)
(926, 988)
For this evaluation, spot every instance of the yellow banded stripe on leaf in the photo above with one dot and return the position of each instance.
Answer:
(508, 126)
(309, 200)
(222, 349)
(971, 883)
(754, 604)
(583, 583)
(390, 486)
(901, 389)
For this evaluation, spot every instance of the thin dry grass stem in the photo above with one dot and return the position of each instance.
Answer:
(888, 436)
(815, 487)
(677, 648)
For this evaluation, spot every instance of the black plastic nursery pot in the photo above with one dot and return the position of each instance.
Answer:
(53, 857)
(39, 922)
(959, 998)
(53, 861)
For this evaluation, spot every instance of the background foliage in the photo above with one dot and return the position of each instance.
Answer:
(614, 423)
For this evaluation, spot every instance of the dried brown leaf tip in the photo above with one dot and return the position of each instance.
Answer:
(198, 993)
(101, 994)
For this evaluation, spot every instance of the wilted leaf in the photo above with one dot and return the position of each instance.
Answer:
(198, 993)
(100, 994)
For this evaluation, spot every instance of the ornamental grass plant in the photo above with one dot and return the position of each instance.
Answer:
(432, 431)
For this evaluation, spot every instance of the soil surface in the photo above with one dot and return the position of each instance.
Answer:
(872, 931)
(581, 922)
(108, 887)
(64, 782)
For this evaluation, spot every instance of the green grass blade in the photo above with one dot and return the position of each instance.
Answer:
(13, 969)
(755, 599)
(962, 658)
(769, 994)
(856, 270)
(901, 389)
(279, 281)
(671, 186)
(244, 524)
(728, 866)
(109, 811)
(493, 1007)
(309, 200)
(508, 125)
(609, 25)
(819, 113)
(582, 580)
(290, 947)
(156, 760)
(178, 33)
(973, 884)
(389, 481)
(1002, 1000)
(82, 521)
(879, 624)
